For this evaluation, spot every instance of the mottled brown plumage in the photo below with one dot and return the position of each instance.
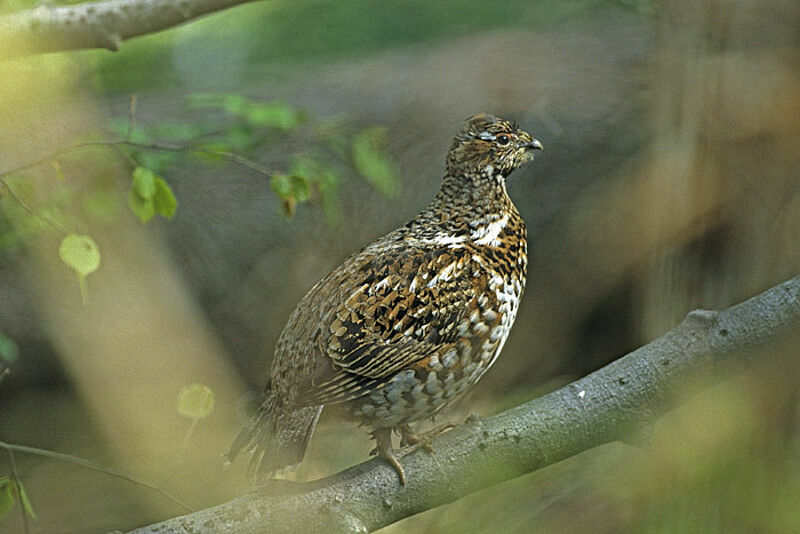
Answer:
(413, 319)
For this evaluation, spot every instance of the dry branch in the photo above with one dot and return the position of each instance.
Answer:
(105, 24)
(601, 407)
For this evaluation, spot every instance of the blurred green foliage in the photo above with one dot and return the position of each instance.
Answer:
(196, 401)
(282, 32)
(321, 151)
(221, 128)
(372, 161)
(9, 351)
(11, 492)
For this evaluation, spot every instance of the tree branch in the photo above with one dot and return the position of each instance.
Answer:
(601, 407)
(104, 24)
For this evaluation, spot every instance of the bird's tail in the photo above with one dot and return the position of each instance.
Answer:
(276, 436)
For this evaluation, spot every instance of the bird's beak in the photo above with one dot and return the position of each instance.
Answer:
(534, 144)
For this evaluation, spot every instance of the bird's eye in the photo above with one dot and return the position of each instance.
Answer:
(502, 139)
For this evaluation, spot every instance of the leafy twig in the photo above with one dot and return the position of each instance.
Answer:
(170, 147)
(117, 145)
(18, 484)
(91, 465)
(27, 207)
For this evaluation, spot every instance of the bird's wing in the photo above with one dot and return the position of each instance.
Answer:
(399, 312)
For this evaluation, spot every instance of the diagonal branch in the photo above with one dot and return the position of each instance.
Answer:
(103, 24)
(601, 407)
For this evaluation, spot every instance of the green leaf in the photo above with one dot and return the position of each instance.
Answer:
(281, 184)
(372, 161)
(6, 496)
(164, 200)
(80, 253)
(273, 115)
(9, 350)
(196, 401)
(23, 499)
(144, 182)
(144, 208)
(240, 137)
(301, 189)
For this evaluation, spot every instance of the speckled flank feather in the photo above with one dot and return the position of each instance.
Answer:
(415, 318)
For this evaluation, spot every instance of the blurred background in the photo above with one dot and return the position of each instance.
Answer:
(670, 180)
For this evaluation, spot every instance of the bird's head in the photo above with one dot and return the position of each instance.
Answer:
(490, 146)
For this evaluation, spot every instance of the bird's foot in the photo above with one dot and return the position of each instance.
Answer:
(383, 448)
(411, 441)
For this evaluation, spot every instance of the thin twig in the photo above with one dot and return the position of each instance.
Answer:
(91, 465)
(49, 220)
(18, 484)
(4, 373)
(117, 145)
(170, 147)
(132, 117)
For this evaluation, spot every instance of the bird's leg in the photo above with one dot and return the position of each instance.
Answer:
(383, 448)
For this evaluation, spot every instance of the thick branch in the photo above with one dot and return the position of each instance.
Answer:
(104, 24)
(601, 407)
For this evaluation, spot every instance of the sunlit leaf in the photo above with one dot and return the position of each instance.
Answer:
(372, 161)
(80, 253)
(164, 199)
(143, 208)
(196, 401)
(23, 499)
(144, 182)
(9, 350)
(281, 184)
(6, 496)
